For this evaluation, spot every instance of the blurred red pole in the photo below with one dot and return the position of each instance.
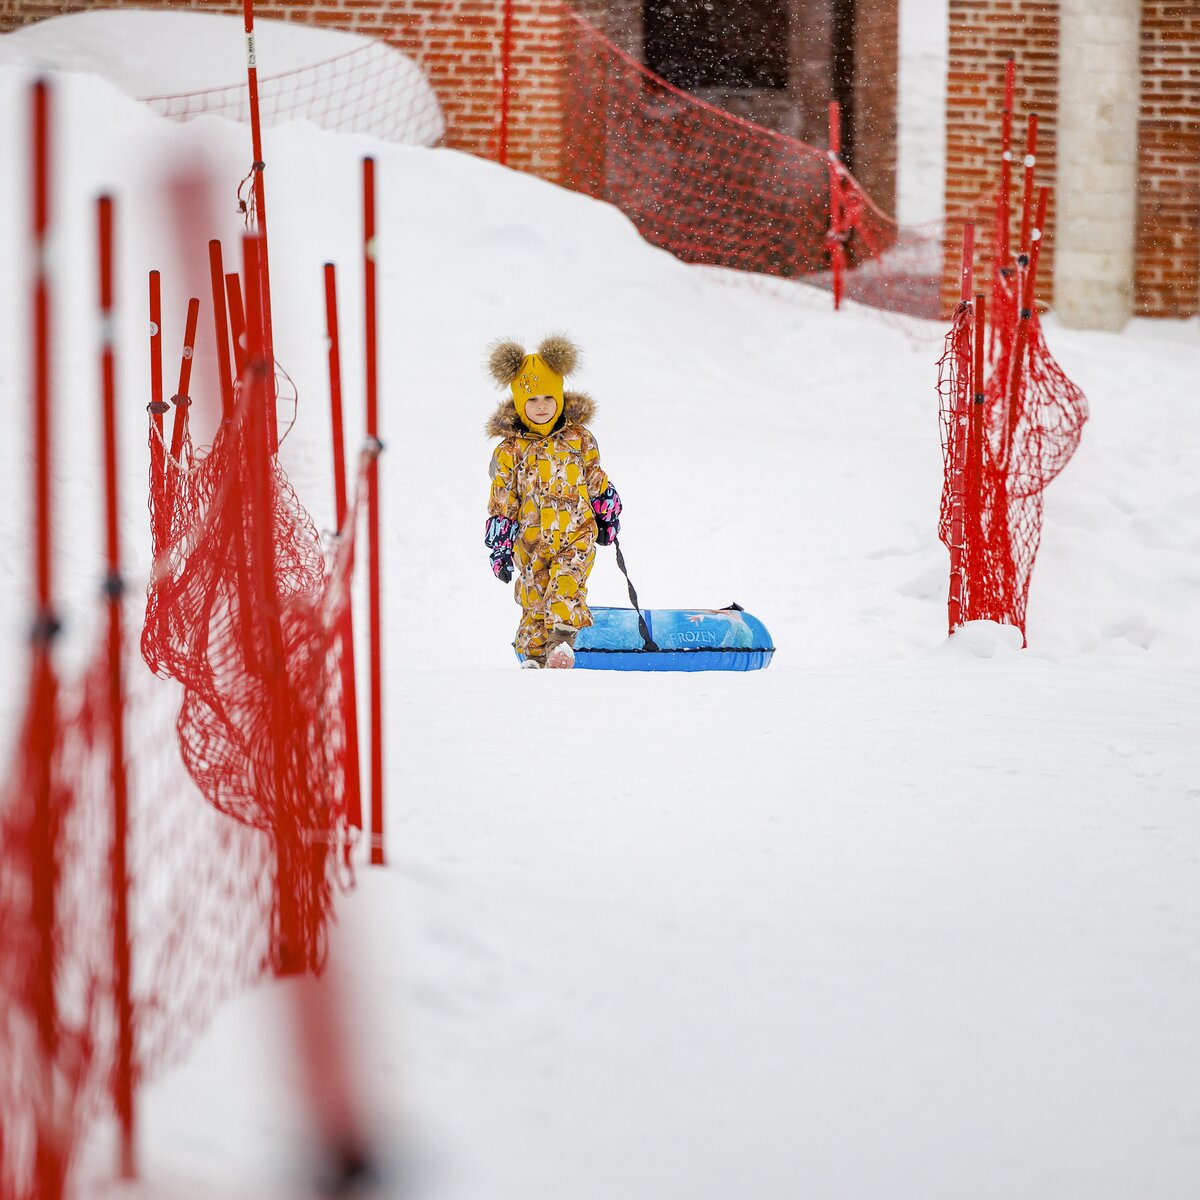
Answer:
(346, 633)
(122, 1081)
(49, 1152)
(157, 408)
(220, 328)
(505, 82)
(836, 234)
(288, 950)
(237, 322)
(181, 399)
(260, 208)
(374, 549)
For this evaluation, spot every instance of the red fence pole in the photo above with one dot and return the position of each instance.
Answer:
(288, 947)
(1030, 162)
(157, 408)
(505, 82)
(220, 328)
(961, 426)
(237, 322)
(967, 273)
(1024, 318)
(181, 399)
(49, 1155)
(122, 1081)
(374, 549)
(1002, 248)
(1035, 238)
(260, 207)
(836, 237)
(973, 505)
(346, 633)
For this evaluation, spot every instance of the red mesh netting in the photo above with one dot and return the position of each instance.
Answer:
(237, 830)
(240, 613)
(999, 458)
(373, 89)
(714, 188)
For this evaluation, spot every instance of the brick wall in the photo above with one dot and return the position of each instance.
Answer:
(1167, 263)
(983, 34)
(876, 84)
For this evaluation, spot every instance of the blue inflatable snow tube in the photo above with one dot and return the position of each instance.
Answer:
(688, 639)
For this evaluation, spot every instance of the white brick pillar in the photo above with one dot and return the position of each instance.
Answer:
(1099, 79)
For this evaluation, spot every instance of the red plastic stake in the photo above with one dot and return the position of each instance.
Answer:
(1002, 248)
(260, 207)
(960, 431)
(49, 1152)
(122, 1079)
(157, 408)
(973, 500)
(289, 956)
(1036, 237)
(1027, 198)
(237, 321)
(968, 261)
(837, 210)
(220, 328)
(346, 631)
(182, 400)
(374, 549)
(1024, 319)
(506, 43)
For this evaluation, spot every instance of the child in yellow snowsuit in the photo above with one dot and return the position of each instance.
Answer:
(550, 501)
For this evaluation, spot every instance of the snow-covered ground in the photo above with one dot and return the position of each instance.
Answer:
(898, 918)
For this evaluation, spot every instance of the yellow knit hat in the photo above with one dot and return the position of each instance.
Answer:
(537, 379)
(539, 374)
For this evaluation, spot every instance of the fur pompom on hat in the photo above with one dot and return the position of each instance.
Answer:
(538, 374)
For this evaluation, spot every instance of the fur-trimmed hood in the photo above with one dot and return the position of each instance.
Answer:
(578, 409)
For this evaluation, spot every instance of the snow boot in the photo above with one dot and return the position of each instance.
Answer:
(560, 649)
(562, 657)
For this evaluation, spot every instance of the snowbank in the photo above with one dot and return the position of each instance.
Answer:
(336, 80)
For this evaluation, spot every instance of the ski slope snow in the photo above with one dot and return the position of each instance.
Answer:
(899, 917)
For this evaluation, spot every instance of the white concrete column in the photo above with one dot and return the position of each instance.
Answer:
(1099, 85)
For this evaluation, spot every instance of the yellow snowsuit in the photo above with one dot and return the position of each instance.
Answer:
(547, 483)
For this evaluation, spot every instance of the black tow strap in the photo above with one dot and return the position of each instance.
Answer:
(648, 642)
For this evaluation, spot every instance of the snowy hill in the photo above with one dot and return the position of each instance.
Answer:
(895, 918)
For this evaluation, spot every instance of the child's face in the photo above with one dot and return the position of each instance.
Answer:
(539, 409)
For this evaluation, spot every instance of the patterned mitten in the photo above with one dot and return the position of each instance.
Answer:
(608, 516)
(498, 535)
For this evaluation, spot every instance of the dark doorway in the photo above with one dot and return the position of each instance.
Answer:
(717, 43)
(842, 38)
